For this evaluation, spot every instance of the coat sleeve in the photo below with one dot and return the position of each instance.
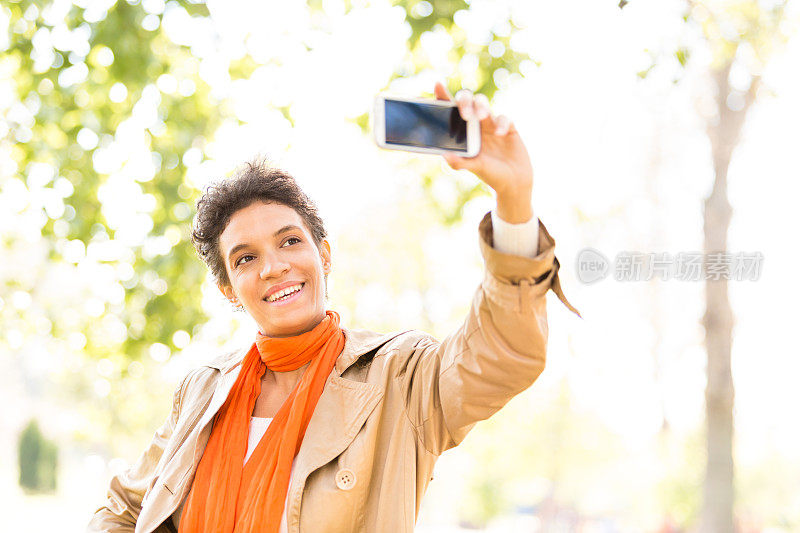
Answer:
(497, 352)
(127, 489)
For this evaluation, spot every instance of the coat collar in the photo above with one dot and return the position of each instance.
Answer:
(357, 342)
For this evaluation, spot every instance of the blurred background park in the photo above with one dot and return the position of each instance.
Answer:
(653, 127)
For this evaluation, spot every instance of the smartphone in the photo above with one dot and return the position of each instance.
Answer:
(424, 125)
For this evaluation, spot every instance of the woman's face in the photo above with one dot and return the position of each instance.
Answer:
(267, 245)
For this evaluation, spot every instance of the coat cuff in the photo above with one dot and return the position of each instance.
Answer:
(534, 276)
(516, 239)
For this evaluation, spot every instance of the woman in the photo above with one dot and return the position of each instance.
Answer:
(317, 427)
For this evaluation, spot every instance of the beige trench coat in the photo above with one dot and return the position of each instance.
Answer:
(392, 405)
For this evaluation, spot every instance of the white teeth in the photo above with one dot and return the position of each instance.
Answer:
(285, 292)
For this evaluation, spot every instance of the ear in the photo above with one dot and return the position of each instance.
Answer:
(325, 254)
(227, 291)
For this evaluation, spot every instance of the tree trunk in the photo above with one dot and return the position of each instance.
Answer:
(718, 494)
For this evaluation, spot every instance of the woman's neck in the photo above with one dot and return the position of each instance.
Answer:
(283, 382)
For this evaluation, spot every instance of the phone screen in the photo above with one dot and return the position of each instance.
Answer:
(416, 124)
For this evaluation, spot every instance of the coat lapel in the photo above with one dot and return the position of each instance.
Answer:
(341, 411)
(343, 406)
(221, 392)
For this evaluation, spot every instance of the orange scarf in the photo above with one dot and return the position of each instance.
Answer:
(227, 497)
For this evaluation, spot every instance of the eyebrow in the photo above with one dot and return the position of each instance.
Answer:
(288, 227)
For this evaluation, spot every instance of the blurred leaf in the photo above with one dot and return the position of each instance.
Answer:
(683, 55)
(643, 73)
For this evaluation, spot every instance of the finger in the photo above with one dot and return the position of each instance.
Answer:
(452, 160)
(461, 163)
(465, 104)
(457, 162)
(504, 125)
(482, 110)
(441, 92)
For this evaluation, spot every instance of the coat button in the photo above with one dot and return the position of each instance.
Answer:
(345, 479)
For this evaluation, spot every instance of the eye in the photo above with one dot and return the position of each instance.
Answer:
(292, 239)
(239, 261)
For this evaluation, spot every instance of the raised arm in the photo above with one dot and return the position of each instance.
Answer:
(504, 165)
(497, 352)
(500, 349)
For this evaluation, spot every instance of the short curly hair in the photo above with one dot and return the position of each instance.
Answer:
(256, 181)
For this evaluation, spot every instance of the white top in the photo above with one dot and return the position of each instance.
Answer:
(518, 239)
(258, 426)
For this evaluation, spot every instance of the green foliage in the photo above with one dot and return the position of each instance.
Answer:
(728, 25)
(121, 58)
(242, 68)
(725, 27)
(452, 212)
(38, 460)
(483, 67)
(127, 75)
(117, 50)
(653, 58)
(643, 73)
(496, 59)
(682, 54)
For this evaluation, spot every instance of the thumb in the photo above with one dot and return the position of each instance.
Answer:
(457, 162)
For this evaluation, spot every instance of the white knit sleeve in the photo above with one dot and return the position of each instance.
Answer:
(518, 239)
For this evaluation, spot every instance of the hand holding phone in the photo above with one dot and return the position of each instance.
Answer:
(424, 125)
(498, 156)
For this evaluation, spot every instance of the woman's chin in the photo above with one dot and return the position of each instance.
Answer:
(293, 322)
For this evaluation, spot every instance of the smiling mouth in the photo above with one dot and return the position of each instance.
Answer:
(289, 298)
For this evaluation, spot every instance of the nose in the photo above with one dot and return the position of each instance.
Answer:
(273, 267)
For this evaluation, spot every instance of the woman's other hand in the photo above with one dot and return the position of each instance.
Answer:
(502, 163)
